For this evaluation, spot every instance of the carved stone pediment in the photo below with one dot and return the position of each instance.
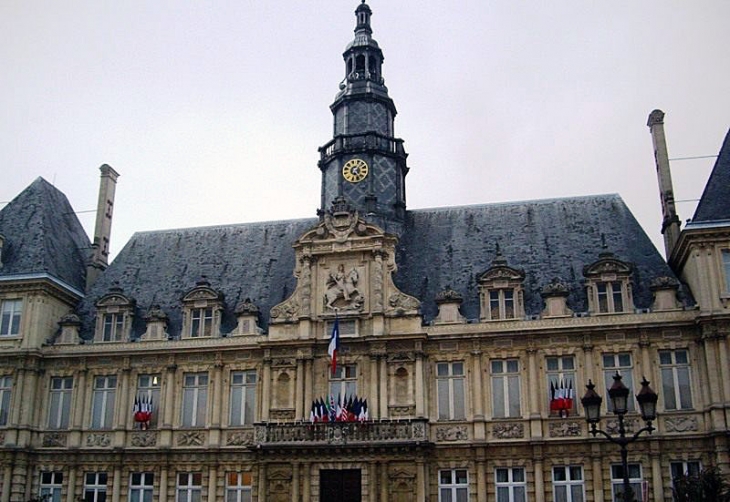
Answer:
(115, 298)
(607, 264)
(202, 291)
(344, 266)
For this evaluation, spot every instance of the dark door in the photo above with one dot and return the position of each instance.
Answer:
(339, 485)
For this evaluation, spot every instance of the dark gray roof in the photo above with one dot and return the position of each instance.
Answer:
(43, 235)
(439, 248)
(452, 247)
(714, 204)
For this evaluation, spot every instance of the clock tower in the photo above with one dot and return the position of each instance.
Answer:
(365, 163)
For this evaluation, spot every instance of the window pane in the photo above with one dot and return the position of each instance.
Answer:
(685, 393)
(670, 401)
(459, 399)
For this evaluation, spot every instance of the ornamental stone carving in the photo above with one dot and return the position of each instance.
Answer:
(191, 438)
(508, 431)
(400, 303)
(144, 439)
(102, 439)
(629, 424)
(241, 438)
(681, 424)
(343, 291)
(287, 311)
(454, 433)
(54, 439)
(565, 429)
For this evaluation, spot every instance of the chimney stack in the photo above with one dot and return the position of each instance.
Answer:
(670, 220)
(103, 228)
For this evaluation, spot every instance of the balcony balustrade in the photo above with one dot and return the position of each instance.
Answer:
(359, 142)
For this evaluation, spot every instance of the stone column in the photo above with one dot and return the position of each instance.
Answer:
(587, 364)
(657, 486)
(724, 366)
(383, 388)
(300, 407)
(217, 400)
(117, 484)
(384, 481)
(597, 473)
(307, 488)
(421, 488)
(212, 485)
(373, 408)
(123, 411)
(308, 387)
(373, 481)
(266, 388)
(30, 398)
(295, 482)
(163, 484)
(169, 411)
(19, 390)
(77, 411)
(262, 484)
(539, 481)
(71, 487)
(476, 384)
(481, 481)
(645, 361)
(7, 481)
(419, 376)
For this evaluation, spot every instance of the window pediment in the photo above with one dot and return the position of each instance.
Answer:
(607, 268)
(202, 307)
(115, 312)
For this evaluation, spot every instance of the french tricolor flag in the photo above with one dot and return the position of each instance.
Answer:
(334, 344)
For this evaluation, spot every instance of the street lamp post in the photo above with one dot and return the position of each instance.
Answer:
(619, 395)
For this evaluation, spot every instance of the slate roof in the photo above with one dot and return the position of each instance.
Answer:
(439, 248)
(714, 204)
(43, 235)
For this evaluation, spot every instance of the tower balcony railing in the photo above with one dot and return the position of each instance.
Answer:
(361, 142)
(371, 432)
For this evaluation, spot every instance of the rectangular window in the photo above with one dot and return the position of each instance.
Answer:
(10, 312)
(113, 327)
(51, 486)
(726, 268)
(617, 482)
(568, 484)
(202, 322)
(189, 486)
(561, 385)
(689, 468)
(60, 406)
(621, 363)
(501, 304)
(674, 366)
(141, 486)
(238, 487)
(511, 485)
(450, 389)
(506, 388)
(610, 297)
(243, 397)
(344, 381)
(95, 487)
(147, 401)
(102, 406)
(6, 389)
(195, 399)
(453, 485)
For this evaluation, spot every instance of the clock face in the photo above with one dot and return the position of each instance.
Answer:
(355, 170)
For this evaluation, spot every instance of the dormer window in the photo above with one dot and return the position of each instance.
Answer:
(500, 289)
(115, 312)
(202, 307)
(608, 285)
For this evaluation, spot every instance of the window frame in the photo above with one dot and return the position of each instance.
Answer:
(11, 317)
(626, 372)
(344, 382)
(152, 392)
(569, 483)
(95, 484)
(6, 399)
(51, 483)
(184, 492)
(454, 488)
(618, 482)
(510, 405)
(239, 486)
(192, 412)
(673, 389)
(113, 326)
(138, 492)
(201, 322)
(103, 402)
(59, 414)
(243, 393)
(511, 485)
(563, 375)
(449, 385)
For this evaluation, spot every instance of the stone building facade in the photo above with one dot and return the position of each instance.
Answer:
(187, 369)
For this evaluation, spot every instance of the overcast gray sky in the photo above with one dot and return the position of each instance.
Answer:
(212, 112)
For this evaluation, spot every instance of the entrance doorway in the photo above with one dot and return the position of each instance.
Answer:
(339, 485)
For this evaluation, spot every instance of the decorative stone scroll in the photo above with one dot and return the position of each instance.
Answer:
(508, 431)
(191, 438)
(681, 424)
(564, 429)
(240, 438)
(453, 433)
(102, 439)
(54, 439)
(630, 425)
(144, 439)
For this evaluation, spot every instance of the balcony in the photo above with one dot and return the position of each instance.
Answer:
(370, 433)
(361, 142)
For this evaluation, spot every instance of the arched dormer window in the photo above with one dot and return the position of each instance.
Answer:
(114, 315)
(608, 285)
(202, 307)
(500, 291)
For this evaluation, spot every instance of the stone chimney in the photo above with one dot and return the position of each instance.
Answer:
(670, 220)
(102, 231)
